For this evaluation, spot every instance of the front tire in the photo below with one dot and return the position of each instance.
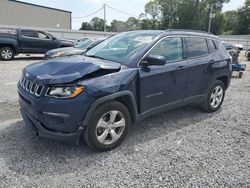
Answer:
(108, 126)
(6, 54)
(214, 98)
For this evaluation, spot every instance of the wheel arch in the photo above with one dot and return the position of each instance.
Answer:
(225, 80)
(13, 44)
(9, 46)
(125, 97)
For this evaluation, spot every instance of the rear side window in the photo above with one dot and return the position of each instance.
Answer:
(196, 46)
(29, 33)
(211, 46)
(170, 48)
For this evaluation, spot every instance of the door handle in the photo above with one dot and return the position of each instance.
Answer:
(181, 68)
(211, 61)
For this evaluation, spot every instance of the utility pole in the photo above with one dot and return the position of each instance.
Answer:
(104, 9)
(210, 17)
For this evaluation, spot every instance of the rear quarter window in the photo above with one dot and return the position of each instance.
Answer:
(196, 47)
(211, 45)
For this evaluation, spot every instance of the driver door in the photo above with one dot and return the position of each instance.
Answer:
(163, 87)
(46, 42)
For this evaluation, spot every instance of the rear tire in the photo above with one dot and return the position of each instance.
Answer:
(214, 98)
(248, 55)
(108, 126)
(240, 74)
(7, 53)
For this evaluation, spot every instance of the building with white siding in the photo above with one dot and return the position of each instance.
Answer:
(22, 14)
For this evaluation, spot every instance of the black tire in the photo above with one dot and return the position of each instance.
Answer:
(240, 74)
(248, 55)
(206, 105)
(7, 54)
(91, 133)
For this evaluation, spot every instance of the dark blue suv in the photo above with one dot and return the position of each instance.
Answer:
(123, 80)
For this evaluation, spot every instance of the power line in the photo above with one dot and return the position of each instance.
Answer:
(89, 14)
(121, 11)
(115, 9)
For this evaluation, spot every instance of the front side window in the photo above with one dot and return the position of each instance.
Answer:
(42, 35)
(196, 47)
(170, 48)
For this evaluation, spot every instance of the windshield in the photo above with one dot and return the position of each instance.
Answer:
(85, 44)
(123, 47)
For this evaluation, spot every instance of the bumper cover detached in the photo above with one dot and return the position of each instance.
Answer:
(59, 120)
(37, 128)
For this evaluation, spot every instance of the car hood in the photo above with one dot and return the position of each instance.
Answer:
(57, 50)
(67, 69)
(66, 42)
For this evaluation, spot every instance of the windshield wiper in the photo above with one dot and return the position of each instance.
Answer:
(94, 56)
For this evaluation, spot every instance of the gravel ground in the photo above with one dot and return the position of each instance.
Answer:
(180, 148)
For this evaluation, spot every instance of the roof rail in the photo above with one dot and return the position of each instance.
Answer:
(190, 30)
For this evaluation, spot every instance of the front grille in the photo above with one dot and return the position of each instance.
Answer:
(31, 87)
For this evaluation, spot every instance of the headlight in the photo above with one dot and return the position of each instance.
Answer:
(65, 92)
(59, 54)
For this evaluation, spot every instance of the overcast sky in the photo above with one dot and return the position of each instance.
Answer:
(85, 7)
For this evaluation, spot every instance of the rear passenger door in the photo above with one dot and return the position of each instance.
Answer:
(27, 41)
(199, 59)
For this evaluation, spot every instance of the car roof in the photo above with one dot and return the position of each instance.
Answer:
(178, 32)
(190, 32)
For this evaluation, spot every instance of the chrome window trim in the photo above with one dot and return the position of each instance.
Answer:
(170, 36)
(181, 36)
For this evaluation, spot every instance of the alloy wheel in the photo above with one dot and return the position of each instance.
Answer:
(110, 127)
(216, 96)
(6, 54)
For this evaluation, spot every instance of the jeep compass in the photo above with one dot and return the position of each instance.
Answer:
(123, 80)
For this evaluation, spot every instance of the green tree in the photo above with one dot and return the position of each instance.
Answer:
(133, 24)
(185, 14)
(118, 26)
(218, 23)
(86, 26)
(244, 19)
(231, 22)
(191, 14)
(97, 24)
(153, 10)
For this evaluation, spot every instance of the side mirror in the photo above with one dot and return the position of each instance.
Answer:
(53, 38)
(153, 60)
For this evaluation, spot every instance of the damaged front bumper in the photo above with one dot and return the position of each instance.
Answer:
(54, 119)
(36, 127)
